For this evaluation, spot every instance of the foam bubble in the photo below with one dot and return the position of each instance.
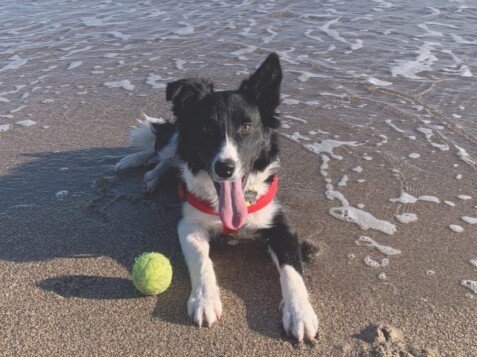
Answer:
(61, 195)
(414, 155)
(305, 76)
(75, 64)
(91, 21)
(296, 136)
(473, 262)
(125, 83)
(450, 203)
(379, 82)
(120, 35)
(464, 197)
(4, 127)
(390, 123)
(428, 198)
(26, 122)
(407, 198)
(383, 141)
(406, 217)
(364, 220)
(332, 194)
(327, 146)
(470, 220)
(470, 284)
(369, 242)
(423, 62)
(324, 165)
(357, 169)
(14, 62)
(180, 64)
(456, 228)
(241, 52)
(429, 134)
(343, 181)
(374, 263)
(17, 109)
(464, 156)
(186, 30)
(336, 35)
(152, 80)
(298, 119)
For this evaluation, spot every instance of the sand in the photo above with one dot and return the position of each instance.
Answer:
(378, 116)
(64, 264)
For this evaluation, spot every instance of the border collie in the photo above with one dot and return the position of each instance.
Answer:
(225, 146)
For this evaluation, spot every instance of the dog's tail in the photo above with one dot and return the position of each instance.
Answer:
(142, 136)
(145, 134)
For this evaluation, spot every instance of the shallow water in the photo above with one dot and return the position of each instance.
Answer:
(334, 52)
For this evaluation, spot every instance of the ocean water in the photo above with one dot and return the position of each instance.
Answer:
(413, 51)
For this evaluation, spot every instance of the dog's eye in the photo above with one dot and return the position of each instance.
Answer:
(245, 128)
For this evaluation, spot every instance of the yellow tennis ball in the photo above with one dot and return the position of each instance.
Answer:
(152, 273)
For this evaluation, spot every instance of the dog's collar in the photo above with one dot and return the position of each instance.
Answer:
(205, 206)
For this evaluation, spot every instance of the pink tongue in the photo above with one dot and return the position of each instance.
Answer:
(232, 208)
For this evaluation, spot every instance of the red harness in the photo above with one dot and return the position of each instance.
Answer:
(205, 207)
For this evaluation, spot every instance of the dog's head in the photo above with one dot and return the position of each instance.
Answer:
(229, 134)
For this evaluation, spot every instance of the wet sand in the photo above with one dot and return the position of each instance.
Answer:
(64, 264)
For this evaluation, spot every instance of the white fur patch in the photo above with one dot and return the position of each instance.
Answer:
(228, 151)
(299, 318)
(204, 305)
(142, 136)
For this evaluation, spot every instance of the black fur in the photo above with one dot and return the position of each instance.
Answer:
(163, 132)
(283, 242)
(263, 88)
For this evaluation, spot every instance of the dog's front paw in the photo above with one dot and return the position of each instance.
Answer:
(151, 180)
(204, 306)
(299, 319)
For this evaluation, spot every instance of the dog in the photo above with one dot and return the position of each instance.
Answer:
(225, 145)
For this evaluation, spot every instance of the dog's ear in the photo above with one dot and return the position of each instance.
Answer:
(186, 92)
(263, 86)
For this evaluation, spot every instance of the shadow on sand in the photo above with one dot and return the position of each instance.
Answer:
(106, 214)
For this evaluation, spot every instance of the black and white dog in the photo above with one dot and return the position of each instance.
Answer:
(225, 145)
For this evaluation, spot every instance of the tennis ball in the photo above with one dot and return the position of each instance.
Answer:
(152, 273)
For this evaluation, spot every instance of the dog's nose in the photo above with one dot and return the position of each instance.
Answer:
(225, 168)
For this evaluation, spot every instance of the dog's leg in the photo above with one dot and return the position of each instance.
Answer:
(299, 319)
(204, 305)
(152, 177)
(137, 159)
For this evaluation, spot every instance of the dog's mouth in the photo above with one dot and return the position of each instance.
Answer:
(232, 207)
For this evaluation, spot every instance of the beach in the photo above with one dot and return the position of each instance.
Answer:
(378, 172)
